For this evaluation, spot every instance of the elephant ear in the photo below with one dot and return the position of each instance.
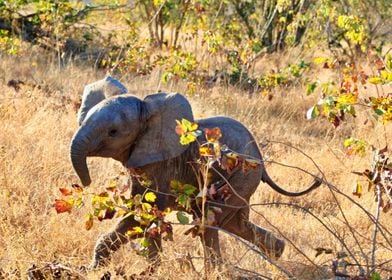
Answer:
(159, 140)
(96, 92)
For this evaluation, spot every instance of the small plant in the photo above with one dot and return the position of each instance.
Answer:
(340, 99)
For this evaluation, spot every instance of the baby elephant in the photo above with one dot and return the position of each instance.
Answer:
(141, 135)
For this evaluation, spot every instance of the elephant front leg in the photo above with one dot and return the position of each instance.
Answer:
(112, 241)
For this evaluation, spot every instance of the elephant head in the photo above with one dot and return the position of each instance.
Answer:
(96, 92)
(133, 131)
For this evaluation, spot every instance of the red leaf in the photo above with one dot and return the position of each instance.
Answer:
(224, 192)
(62, 206)
(336, 121)
(103, 194)
(383, 150)
(65, 191)
(179, 129)
(387, 207)
(213, 134)
(89, 222)
(153, 232)
(230, 162)
(166, 227)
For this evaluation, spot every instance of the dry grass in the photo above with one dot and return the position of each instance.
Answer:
(38, 123)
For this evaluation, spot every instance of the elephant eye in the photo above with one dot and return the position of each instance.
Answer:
(113, 132)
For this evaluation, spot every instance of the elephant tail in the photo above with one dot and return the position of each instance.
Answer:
(267, 179)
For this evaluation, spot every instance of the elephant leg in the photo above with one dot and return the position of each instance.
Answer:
(236, 220)
(212, 254)
(153, 249)
(112, 241)
(240, 225)
(264, 239)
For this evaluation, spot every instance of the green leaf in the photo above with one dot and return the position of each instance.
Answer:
(150, 197)
(182, 218)
(310, 88)
(175, 185)
(184, 201)
(144, 242)
(313, 113)
(79, 202)
(189, 189)
(379, 111)
(375, 276)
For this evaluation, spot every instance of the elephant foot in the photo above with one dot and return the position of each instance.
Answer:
(96, 264)
(270, 244)
(275, 250)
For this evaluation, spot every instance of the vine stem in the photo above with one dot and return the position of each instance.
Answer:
(203, 215)
(377, 218)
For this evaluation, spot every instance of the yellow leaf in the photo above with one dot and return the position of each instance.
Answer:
(150, 197)
(112, 186)
(187, 138)
(146, 206)
(357, 191)
(184, 126)
(374, 80)
(347, 98)
(121, 212)
(135, 231)
(264, 93)
(206, 151)
(320, 60)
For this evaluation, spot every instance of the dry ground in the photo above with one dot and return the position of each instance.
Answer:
(37, 124)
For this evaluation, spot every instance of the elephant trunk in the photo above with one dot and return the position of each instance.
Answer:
(79, 149)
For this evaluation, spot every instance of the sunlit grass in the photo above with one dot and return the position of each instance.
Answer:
(38, 121)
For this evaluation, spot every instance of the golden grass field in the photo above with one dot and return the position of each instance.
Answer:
(37, 124)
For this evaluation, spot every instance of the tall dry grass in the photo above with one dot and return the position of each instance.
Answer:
(38, 121)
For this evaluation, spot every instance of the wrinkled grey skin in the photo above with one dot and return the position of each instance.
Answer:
(141, 134)
(96, 92)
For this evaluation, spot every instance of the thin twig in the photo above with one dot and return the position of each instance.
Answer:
(253, 248)
(374, 243)
(335, 198)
